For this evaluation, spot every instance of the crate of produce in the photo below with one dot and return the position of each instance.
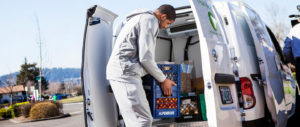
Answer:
(190, 109)
(162, 106)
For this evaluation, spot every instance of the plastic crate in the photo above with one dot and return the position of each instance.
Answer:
(161, 106)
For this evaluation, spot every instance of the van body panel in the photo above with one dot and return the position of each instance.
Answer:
(279, 84)
(245, 53)
(270, 74)
(215, 59)
(100, 107)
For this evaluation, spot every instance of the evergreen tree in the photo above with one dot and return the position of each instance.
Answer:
(29, 72)
(45, 83)
(62, 88)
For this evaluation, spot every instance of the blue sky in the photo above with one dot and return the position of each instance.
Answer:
(62, 26)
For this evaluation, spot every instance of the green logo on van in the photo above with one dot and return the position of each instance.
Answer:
(211, 19)
(203, 3)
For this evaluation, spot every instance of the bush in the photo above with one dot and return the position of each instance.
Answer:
(2, 112)
(14, 110)
(17, 108)
(24, 110)
(3, 105)
(58, 104)
(7, 113)
(78, 90)
(43, 110)
(22, 103)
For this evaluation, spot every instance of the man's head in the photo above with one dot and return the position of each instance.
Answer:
(165, 14)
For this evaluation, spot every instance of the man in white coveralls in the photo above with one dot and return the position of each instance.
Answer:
(132, 57)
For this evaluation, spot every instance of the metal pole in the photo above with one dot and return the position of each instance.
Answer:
(40, 81)
(40, 44)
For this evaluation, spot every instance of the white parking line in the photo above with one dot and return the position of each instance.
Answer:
(74, 103)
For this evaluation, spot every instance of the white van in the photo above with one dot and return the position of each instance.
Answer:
(232, 51)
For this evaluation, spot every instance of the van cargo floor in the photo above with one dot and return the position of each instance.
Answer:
(172, 123)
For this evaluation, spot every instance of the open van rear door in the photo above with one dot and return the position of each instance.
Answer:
(275, 81)
(219, 82)
(99, 105)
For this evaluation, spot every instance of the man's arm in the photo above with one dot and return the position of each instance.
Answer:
(146, 42)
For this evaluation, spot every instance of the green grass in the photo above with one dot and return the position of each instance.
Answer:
(72, 100)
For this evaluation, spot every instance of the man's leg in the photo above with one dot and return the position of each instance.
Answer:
(142, 108)
(132, 102)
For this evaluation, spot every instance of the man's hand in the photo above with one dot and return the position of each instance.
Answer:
(167, 86)
(293, 68)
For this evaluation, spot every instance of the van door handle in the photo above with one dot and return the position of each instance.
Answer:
(222, 78)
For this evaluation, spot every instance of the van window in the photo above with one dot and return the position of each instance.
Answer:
(276, 45)
(248, 38)
(245, 30)
(259, 28)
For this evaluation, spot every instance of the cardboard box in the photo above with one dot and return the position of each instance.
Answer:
(185, 83)
(197, 83)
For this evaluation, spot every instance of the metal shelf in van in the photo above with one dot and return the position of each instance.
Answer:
(186, 124)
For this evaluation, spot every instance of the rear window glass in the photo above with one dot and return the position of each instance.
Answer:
(245, 30)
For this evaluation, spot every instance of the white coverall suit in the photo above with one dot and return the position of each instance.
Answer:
(133, 57)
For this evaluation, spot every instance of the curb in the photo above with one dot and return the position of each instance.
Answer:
(50, 118)
(56, 117)
(75, 113)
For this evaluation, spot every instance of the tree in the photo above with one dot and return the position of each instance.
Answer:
(54, 87)
(30, 73)
(10, 82)
(45, 84)
(279, 28)
(78, 90)
(62, 88)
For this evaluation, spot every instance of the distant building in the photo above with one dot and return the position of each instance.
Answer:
(18, 94)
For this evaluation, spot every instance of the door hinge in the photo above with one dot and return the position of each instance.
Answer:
(257, 77)
(94, 20)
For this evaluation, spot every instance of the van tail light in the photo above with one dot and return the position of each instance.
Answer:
(247, 93)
